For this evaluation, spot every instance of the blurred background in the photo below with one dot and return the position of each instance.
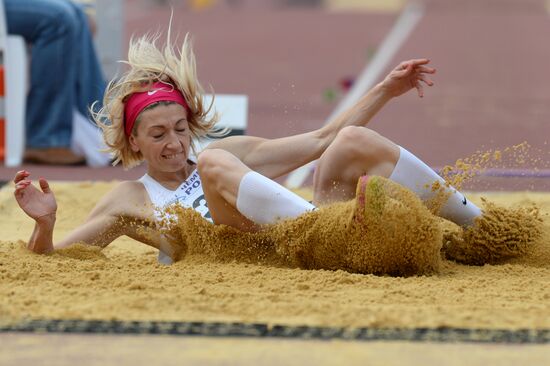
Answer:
(297, 60)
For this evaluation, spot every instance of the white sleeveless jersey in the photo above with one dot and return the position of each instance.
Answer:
(189, 194)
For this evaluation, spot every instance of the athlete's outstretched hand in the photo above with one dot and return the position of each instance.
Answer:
(408, 75)
(38, 204)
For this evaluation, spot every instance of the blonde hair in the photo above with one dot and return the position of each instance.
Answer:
(149, 64)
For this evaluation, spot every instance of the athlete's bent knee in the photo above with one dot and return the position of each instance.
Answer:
(355, 141)
(210, 163)
(213, 164)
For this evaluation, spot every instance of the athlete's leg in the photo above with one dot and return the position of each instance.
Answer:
(240, 197)
(221, 174)
(357, 151)
(420, 178)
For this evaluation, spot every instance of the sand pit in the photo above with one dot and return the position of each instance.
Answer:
(124, 282)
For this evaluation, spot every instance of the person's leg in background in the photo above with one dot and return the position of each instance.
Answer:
(51, 28)
(89, 82)
(89, 88)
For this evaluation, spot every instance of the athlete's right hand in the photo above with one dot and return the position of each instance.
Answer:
(38, 204)
(408, 75)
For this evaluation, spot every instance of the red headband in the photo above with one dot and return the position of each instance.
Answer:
(138, 101)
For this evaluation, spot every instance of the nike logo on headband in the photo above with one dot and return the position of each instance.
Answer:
(151, 92)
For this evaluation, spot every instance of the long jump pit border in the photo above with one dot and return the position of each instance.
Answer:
(258, 330)
(66, 342)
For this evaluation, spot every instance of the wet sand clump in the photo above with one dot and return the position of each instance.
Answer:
(498, 235)
(385, 230)
(199, 237)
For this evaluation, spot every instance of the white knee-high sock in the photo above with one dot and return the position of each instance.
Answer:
(264, 201)
(414, 174)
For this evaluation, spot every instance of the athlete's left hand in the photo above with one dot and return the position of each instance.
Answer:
(408, 75)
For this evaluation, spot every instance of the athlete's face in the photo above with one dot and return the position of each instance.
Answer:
(163, 137)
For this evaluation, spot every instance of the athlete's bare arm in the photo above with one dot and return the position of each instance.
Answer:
(120, 212)
(275, 157)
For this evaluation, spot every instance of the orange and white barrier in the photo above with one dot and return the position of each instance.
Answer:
(13, 51)
(15, 94)
(2, 116)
